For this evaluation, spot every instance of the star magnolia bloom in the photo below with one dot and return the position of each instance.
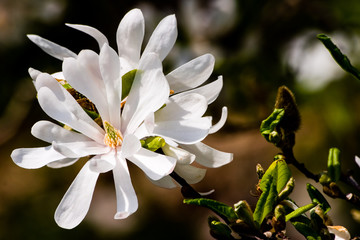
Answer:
(97, 77)
(184, 81)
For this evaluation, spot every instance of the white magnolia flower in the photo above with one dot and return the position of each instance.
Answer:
(184, 81)
(98, 78)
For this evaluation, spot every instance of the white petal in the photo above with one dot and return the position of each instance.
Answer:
(190, 173)
(93, 32)
(32, 158)
(181, 156)
(76, 201)
(210, 91)
(80, 149)
(84, 75)
(62, 163)
(182, 106)
(357, 160)
(126, 200)
(207, 156)
(103, 163)
(51, 48)
(58, 75)
(216, 127)
(191, 74)
(185, 131)
(49, 132)
(165, 182)
(163, 38)
(110, 72)
(129, 37)
(34, 73)
(131, 145)
(340, 232)
(148, 93)
(61, 106)
(153, 164)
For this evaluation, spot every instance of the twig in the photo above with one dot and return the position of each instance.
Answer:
(186, 190)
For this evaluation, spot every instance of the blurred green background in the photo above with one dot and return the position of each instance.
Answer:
(258, 45)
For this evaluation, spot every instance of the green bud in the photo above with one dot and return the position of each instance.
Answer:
(324, 178)
(279, 218)
(244, 212)
(259, 171)
(219, 230)
(334, 164)
(285, 99)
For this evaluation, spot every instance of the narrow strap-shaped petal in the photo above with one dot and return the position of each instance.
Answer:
(148, 93)
(165, 182)
(207, 156)
(182, 156)
(62, 163)
(93, 32)
(51, 48)
(103, 163)
(80, 149)
(61, 106)
(210, 91)
(131, 145)
(129, 37)
(191, 74)
(32, 158)
(34, 73)
(110, 71)
(357, 161)
(163, 38)
(184, 131)
(153, 164)
(76, 201)
(182, 106)
(126, 200)
(84, 75)
(49, 132)
(216, 127)
(190, 173)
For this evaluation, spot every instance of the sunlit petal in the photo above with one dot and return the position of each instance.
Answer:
(76, 201)
(51, 48)
(191, 74)
(207, 156)
(126, 200)
(93, 32)
(216, 127)
(163, 38)
(153, 164)
(129, 37)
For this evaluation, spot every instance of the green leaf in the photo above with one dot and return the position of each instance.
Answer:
(152, 143)
(303, 226)
(334, 165)
(127, 81)
(224, 211)
(338, 56)
(268, 126)
(318, 198)
(272, 183)
(289, 187)
(92, 114)
(266, 202)
(280, 172)
(297, 212)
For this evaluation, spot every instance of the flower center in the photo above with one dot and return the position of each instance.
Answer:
(113, 137)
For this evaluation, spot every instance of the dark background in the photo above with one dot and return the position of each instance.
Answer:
(258, 45)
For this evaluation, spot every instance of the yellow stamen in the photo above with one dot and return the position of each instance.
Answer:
(113, 137)
(172, 91)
